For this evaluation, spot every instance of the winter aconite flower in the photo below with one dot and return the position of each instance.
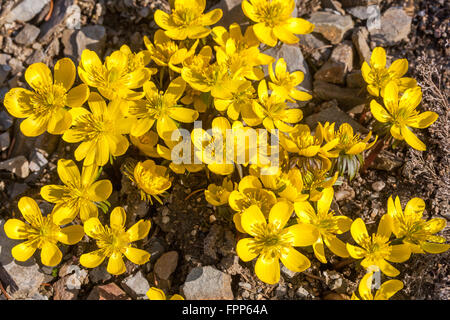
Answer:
(187, 20)
(162, 108)
(44, 108)
(218, 195)
(151, 179)
(414, 231)
(113, 79)
(157, 294)
(113, 242)
(400, 114)
(316, 181)
(286, 83)
(273, 241)
(377, 250)
(274, 21)
(377, 76)
(328, 225)
(40, 233)
(384, 292)
(80, 194)
(101, 131)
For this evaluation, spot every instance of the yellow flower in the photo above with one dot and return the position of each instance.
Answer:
(113, 79)
(147, 143)
(414, 231)
(273, 21)
(187, 20)
(137, 61)
(195, 98)
(101, 131)
(250, 192)
(287, 185)
(386, 290)
(151, 179)
(162, 108)
(236, 98)
(219, 195)
(272, 241)
(157, 294)
(285, 83)
(273, 111)
(79, 194)
(377, 249)
(166, 52)
(41, 233)
(327, 224)
(377, 76)
(190, 163)
(113, 242)
(43, 108)
(316, 181)
(400, 114)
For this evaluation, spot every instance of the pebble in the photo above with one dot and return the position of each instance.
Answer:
(207, 283)
(333, 114)
(91, 37)
(332, 26)
(336, 68)
(99, 274)
(359, 37)
(347, 97)
(110, 291)
(166, 265)
(4, 141)
(302, 293)
(364, 12)
(18, 166)
(395, 26)
(378, 185)
(26, 10)
(136, 286)
(38, 161)
(27, 35)
(4, 72)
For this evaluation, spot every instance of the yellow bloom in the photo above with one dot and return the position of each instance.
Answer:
(157, 294)
(400, 114)
(414, 231)
(162, 108)
(236, 98)
(377, 76)
(113, 242)
(287, 185)
(41, 233)
(285, 83)
(147, 143)
(151, 179)
(166, 52)
(79, 194)
(101, 131)
(386, 290)
(327, 224)
(195, 98)
(219, 195)
(137, 61)
(43, 108)
(189, 162)
(273, 21)
(272, 241)
(316, 181)
(187, 20)
(273, 111)
(113, 79)
(250, 192)
(377, 249)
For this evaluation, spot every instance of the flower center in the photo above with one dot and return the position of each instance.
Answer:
(48, 100)
(270, 240)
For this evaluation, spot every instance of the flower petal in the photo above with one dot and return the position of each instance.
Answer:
(77, 96)
(30, 211)
(294, 260)
(50, 254)
(302, 234)
(280, 213)
(71, 234)
(359, 231)
(251, 219)
(398, 68)
(319, 250)
(365, 286)
(59, 122)
(65, 73)
(116, 265)
(265, 34)
(336, 246)
(267, 269)
(23, 251)
(139, 230)
(183, 114)
(100, 190)
(38, 76)
(16, 229)
(68, 172)
(387, 268)
(412, 139)
(117, 218)
(244, 249)
(137, 256)
(431, 247)
(92, 259)
(355, 252)
(388, 289)
(378, 58)
(155, 294)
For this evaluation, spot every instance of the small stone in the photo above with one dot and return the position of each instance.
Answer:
(26, 10)
(61, 292)
(378, 185)
(336, 68)
(166, 265)
(17, 165)
(347, 97)
(99, 274)
(18, 189)
(37, 56)
(75, 277)
(281, 291)
(4, 72)
(144, 12)
(302, 293)
(5, 121)
(165, 220)
(27, 35)
(332, 26)
(4, 141)
(344, 192)
(395, 26)
(318, 48)
(386, 161)
(359, 37)
(110, 291)
(73, 17)
(355, 80)
(354, 3)
(136, 285)
(38, 161)
(363, 12)
(16, 65)
(333, 279)
(288, 273)
(91, 37)
(4, 58)
(155, 248)
(207, 283)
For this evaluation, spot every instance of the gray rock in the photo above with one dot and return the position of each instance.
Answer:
(333, 279)
(99, 274)
(395, 26)
(27, 35)
(386, 161)
(374, 20)
(166, 265)
(378, 185)
(302, 293)
(347, 97)
(363, 12)
(344, 192)
(4, 58)
(288, 273)
(20, 279)
(91, 37)
(4, 141)
(4, 73)
(318, 48)
(6, 121)
(73, 17)
(336, 68)
(360, 39)
(136, 286)
(333, 114)
(62, 292)
(18, 189)
(75, 277)
(26, 10)
(355, 79)
(37, 56)
(63, 11)
(17, 165)
(207, 283)
(38, 161)
(354, 3)
(332, 26)
(16, 65)
(155, 248)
